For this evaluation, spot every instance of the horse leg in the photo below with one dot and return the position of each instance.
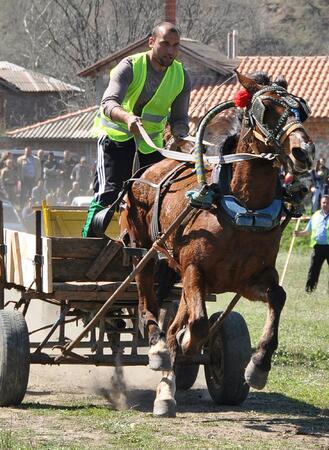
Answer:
(256, 372)
(165, 403)
(159, 358)
(192, 312)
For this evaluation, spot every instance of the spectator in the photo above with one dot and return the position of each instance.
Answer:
(50, 173)
(318, 227)
(4, 157)
(51, 198)
(319, 177)
(74, 192)
(29, 171)
(38, 193)
(66, 166)
(42, 159)
(9, 180)
(28, 216)
(81, 173)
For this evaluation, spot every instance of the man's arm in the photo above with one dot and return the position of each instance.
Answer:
(178, 120)
(115, 93)
(305, 232)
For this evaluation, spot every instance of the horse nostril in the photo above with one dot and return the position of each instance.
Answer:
(299, 154)
(309, 148)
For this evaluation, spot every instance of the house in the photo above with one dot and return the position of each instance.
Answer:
(27, 97)
(213, 81)
(207, 66)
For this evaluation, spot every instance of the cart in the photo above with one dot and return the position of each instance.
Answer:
(77, 277)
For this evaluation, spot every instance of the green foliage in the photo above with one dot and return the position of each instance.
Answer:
(301, 244)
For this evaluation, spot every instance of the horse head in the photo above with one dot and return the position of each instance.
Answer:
(274, 118)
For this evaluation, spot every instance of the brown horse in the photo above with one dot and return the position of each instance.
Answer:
(215, 255)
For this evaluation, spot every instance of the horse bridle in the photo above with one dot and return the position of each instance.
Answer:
(293, 106)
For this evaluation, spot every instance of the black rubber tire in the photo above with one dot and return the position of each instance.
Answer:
(230, 352)
(186, 374)
(14, 357)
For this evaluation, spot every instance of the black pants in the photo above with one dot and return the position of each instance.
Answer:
(319, 255)
(114, 166)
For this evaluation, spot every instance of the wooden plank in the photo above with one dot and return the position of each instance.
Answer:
(86, 248)
(103, 259)
(47, 270)
(85, 296)
(18, 275)
(67, 269)
(109, 286)
(10, 272)
(27, 249)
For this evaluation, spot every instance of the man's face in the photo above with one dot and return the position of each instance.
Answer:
(325, 204)
(164, 47)
(28, 151)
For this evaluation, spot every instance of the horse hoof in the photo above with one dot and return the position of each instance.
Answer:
(255, 377)
(160, 361)
(164, 408)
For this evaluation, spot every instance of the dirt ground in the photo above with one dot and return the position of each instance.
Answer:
(264, 417)
(276, 420)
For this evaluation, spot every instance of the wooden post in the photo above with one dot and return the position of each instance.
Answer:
(289, 252)
(38, 252)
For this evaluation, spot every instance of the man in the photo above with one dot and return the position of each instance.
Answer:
(38, 193)
(42, 158)
(143, 90)
(9, 179)
(318, 227)
(29, 171)
(50, 173)
(81, 174)
(66, 166)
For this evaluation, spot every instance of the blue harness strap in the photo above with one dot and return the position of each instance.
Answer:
(255, 220)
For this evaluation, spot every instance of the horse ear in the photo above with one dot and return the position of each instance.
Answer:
(250, 85)
(281, 81)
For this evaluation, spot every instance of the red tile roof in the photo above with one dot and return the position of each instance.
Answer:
(307, 76)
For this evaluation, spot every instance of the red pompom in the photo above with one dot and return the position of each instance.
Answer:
(242, 98)
(289, 178)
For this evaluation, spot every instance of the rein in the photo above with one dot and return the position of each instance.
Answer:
(191, 157)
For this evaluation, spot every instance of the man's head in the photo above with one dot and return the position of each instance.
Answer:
(164, 43)
(67, 155)
(28, 151)
(325, 203)
(40, 153)
(9, 163)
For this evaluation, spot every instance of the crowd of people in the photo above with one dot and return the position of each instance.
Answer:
(27, 180)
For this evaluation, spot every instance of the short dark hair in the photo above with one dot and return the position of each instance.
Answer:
(171, 27)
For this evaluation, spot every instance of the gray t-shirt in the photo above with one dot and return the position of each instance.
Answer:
(118, 85)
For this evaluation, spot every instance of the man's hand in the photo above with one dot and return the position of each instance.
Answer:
(133, 122)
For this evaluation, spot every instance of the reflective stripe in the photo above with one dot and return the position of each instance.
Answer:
(115, 126)
(153, 117)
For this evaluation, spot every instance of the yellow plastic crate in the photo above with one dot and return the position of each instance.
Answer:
(68, 221)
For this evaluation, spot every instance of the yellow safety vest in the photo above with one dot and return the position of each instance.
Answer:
(154, 114)
(316, 218)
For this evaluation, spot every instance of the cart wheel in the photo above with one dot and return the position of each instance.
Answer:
(14, 357)
(230, 352)
(186, 375)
